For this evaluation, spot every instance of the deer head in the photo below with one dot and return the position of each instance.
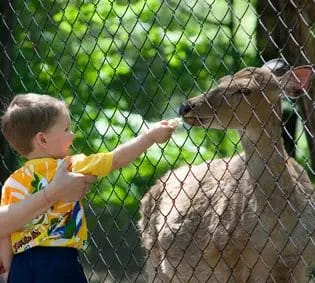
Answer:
(248, 99)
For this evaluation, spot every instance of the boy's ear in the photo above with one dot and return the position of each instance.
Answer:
(40, 139)
(298, 79)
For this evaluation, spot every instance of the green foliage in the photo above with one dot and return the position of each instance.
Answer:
(311, 275)
(123, 64)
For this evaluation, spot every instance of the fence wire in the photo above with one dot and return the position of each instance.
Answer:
(220, 215)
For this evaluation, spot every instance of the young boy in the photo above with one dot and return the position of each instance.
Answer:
(38, 127)
(66, 186)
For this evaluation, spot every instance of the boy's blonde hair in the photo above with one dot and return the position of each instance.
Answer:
(27, 115)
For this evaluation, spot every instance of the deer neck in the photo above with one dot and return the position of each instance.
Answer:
(266, 158)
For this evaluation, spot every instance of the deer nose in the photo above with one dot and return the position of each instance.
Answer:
(184, 109)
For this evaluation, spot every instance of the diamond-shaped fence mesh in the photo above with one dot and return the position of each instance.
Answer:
(235, 207)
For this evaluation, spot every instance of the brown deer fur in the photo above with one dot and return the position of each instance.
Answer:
(248, 218)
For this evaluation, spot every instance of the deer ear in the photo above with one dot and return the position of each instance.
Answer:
(297, 80)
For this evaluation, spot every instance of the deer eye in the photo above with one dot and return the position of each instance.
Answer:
(245, 91)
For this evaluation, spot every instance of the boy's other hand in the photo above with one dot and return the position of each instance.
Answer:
(68, 186)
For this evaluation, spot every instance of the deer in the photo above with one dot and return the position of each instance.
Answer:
(245, 218)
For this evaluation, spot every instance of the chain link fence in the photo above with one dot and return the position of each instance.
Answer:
(121, 66)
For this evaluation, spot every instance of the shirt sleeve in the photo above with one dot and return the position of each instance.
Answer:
(15, 188)
(99, 164)
(4, 196)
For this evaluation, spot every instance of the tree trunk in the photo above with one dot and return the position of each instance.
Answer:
(285, 30)
(8, 158)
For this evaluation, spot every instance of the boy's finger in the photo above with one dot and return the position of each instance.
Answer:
(90, 179)
(65, 164)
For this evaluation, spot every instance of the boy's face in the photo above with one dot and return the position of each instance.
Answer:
(59, 137)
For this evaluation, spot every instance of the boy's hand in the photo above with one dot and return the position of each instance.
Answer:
(162, 131)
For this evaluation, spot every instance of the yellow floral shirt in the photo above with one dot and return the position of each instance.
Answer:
(64, 224)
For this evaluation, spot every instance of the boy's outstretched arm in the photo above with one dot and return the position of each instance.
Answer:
(130, 151)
